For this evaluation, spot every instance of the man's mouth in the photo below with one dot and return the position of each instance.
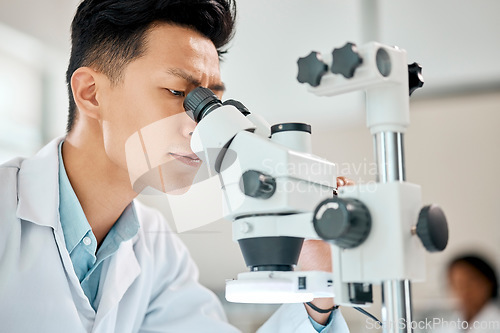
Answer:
(188, 159)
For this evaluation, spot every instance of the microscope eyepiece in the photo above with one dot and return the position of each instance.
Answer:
(200, 102)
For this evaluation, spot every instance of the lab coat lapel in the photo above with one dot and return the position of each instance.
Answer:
(122, 271)
(85, 310)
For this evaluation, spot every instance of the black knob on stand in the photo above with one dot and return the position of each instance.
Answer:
(432, 228)
(311, 69)
(343, 222)
(346, 60)
(415, 78)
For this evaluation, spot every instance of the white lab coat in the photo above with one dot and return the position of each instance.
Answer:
(150, 283)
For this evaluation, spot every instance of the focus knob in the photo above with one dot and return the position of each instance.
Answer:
(432, 228)
(258, 185)
(415, 78)
(311, 69)
(346, 60)
(343, 222)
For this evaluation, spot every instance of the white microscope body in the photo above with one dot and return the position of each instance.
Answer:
(271, 184)
(277, 193)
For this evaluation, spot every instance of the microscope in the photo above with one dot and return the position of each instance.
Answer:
(277, 193)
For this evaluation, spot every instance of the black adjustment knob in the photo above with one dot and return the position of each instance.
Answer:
(257, 184)
(237, 104)
(432, 228)
(343, 222)
(346, 60)
(415, 78)
(311, 69)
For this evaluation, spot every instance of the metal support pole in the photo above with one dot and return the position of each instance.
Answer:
(389, 156)
(396, 294)
(396, 306)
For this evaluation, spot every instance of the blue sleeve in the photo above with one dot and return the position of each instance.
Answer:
(321, 328)
(293, 317)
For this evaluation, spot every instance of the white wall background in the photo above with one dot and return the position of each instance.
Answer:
(451, 145)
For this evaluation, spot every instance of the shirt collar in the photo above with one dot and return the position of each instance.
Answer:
(127, 224)
(73, 220)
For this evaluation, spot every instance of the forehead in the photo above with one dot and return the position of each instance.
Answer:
(171, 46)
(464, 270)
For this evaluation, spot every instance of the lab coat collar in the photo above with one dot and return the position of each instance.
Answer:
(38, 191)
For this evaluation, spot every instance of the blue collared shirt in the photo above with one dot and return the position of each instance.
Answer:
(80, 240)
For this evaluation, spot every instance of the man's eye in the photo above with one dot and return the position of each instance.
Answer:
(176, 92)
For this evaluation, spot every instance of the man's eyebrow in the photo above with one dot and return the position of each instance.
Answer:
(190, 79)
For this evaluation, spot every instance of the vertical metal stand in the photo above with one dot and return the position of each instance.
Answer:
(389, 156)
(396, 294)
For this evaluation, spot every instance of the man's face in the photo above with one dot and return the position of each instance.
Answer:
(145, 128)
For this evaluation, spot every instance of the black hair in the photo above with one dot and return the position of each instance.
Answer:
(481, 266)
(108, 34)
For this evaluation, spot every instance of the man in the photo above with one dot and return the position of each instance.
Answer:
(77, 253)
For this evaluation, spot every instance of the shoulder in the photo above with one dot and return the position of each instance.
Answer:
(8, 198)
(8, 178)
(491, 311)
(11, 167)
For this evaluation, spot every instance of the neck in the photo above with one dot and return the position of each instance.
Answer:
(102, 187)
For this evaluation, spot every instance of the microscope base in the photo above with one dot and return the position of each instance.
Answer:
(270, 287)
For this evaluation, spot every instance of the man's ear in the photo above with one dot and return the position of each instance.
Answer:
(84, 86)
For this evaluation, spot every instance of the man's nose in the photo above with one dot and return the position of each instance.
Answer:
(188, 126)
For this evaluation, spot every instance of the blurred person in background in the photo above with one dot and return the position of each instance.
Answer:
(474, 284)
